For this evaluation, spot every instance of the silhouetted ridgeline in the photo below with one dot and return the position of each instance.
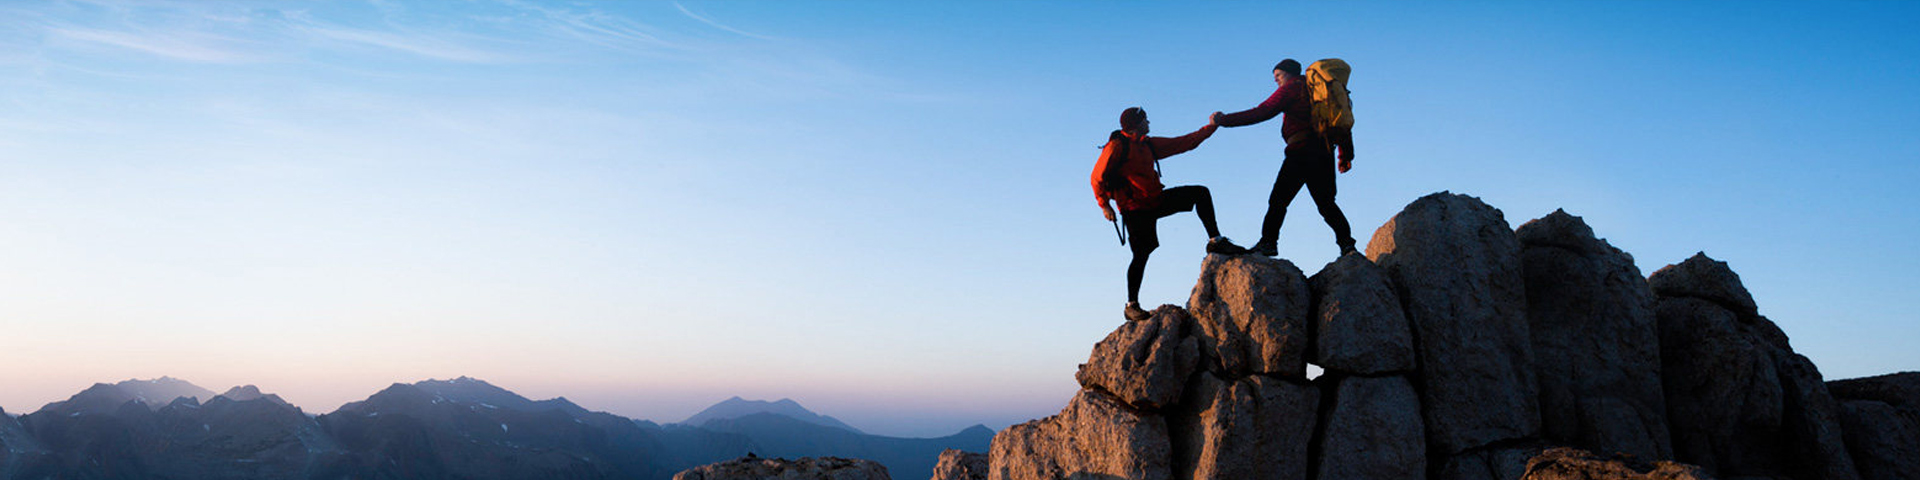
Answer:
(1459, 348)
(457, 429)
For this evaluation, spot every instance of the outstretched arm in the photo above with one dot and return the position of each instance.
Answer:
(1263, 112)
(1164, 147)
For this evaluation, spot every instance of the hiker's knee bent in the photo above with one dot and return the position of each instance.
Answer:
(1144, 247)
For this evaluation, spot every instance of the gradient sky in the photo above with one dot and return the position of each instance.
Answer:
(879, 210)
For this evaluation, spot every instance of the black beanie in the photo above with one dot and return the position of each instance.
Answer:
(1132, 116)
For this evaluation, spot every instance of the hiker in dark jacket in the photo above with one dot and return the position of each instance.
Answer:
(1128, 174)
(1309, 158)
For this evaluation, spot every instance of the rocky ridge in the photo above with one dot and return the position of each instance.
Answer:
(811, 468)
(1461, 348)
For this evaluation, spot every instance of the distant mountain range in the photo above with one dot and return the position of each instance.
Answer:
(436, 429)
(737, 407)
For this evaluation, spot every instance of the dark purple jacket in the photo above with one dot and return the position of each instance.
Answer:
(1291, 99)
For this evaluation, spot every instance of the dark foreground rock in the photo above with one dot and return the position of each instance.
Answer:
(1358, 326)
(1880, 417)
(1740, 401)
(1456, 267)
(820, 468)
(1373, 430)
(1595, 342)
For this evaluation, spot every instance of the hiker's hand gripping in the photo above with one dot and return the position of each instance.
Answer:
(1215, 118)
(1107, 210)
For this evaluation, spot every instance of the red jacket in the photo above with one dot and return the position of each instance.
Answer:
(1141, 186)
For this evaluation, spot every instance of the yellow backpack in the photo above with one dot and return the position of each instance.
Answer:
(1332, 109)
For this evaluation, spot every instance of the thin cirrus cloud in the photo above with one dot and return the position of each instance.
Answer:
(198, 47)
(430, 46)
(711, 23)
(214, 33)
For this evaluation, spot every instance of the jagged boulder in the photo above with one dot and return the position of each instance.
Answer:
(960, 465)
(1595, 343)
(1706, 279)
(1358, 325)
(1740, 402)
(1455, 264)
(1900, 390)
(1880, 417)
(1723, 392)
(811, 468)
(1095, 437)
(1144, 363)
(1252, 313)
(1811, 422)
(1255, 428)
(1884, 439)
(1373, 431)
(1575, 464)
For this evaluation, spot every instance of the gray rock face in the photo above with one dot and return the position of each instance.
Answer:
(1723, 392)
(1707, 279)
(1900, 390)
(1880, 418)
(1144, 363)
(1095, 437)
(820, 468)
(1595, 343)
(1358, 326)
(1811, 421)
(1488, 463)
(1455, 265)
(1373, 430)
(1884, 439)
(1740, 402)
(960, 465)
(1255, 428)
(1252, 313)
(1575, 464)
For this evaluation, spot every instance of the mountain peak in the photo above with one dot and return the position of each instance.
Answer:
(737, 407)
(160, 392)
(249, 392)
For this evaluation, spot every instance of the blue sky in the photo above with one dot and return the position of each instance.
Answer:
(877, 209)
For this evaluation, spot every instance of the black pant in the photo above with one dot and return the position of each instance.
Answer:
(1144, 233)
(1311, 165)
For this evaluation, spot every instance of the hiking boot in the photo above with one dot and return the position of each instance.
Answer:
(1223, 246)
(1135, 313)
(1348, 250)
(1265, 247)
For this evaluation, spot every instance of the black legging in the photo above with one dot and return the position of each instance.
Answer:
(1144, 233)
(1311, 166)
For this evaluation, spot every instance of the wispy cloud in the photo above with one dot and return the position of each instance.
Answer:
(596, 27)
(422, 45)
(189, 46)
(710, 22)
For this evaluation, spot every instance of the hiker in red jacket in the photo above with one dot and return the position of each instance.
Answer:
(1128, 174)
(1309, 158)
